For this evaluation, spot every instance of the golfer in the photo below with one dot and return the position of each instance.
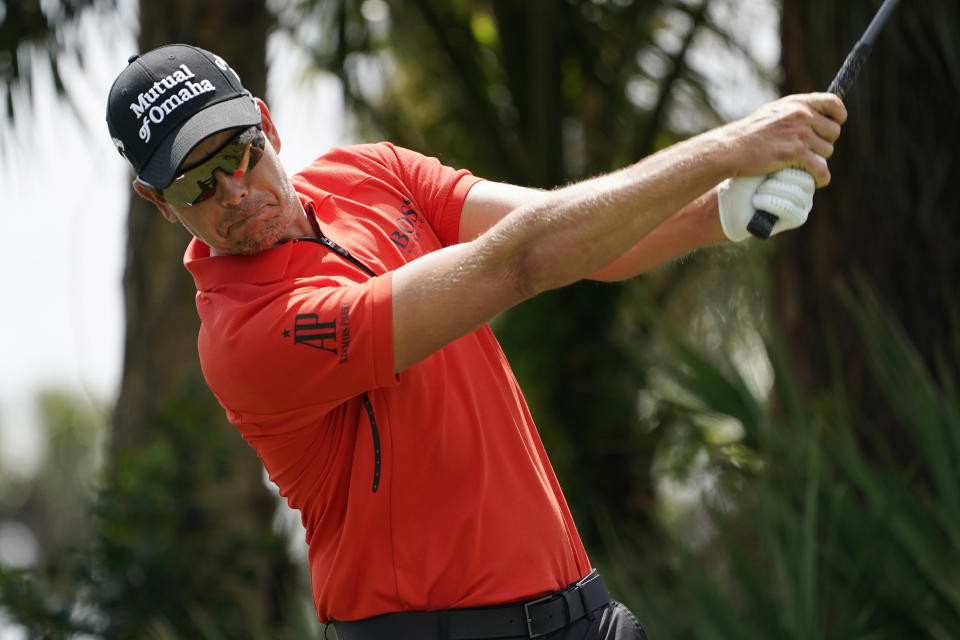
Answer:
(344, 330)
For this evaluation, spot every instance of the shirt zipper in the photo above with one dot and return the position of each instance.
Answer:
(367, 404)
(376, 442)
(333, 246)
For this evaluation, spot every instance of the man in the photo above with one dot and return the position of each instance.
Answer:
(344, 331)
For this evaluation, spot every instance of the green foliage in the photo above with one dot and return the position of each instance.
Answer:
(537, 92)
(163, 562)
(832, 533)
(51, 500)
(153, 531)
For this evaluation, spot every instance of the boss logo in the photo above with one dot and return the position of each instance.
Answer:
(407, 232)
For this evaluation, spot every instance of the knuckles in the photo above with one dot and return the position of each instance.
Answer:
(790, 132)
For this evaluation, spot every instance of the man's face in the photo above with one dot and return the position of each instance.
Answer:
(246, 214)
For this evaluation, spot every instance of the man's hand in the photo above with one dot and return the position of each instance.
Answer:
(788, 194)
(783, 147)
(788, 133)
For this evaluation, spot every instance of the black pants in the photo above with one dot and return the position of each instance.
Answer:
(614, 622)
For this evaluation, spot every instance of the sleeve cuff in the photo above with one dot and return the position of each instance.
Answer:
(384, 375)
(450, 233)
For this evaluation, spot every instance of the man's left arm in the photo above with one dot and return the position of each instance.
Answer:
(694, 226)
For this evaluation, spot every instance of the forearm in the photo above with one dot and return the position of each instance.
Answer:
(695, 226)
(579, 230)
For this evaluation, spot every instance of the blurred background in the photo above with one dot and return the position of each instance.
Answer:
(757, 441)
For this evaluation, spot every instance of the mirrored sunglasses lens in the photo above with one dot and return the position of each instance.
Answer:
(198, 184)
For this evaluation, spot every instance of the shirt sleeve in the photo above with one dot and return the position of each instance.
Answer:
(302, 346)
(436, 191)
(439, 190)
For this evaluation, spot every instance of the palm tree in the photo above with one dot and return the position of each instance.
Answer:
(26, 23)
(162, 393)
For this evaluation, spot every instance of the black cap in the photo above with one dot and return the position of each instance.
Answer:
(168, 100)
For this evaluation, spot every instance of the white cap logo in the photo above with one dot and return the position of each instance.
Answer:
(222, 64)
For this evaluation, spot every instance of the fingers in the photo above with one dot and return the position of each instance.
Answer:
(828, 104)
(793, 181)
(815, 166)
(820, 129)
(790, 132)
(825, 128)
(786, 192)
(824, 114)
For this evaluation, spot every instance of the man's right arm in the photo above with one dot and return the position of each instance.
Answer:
(573, 232)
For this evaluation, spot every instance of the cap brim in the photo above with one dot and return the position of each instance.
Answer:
(229, 114)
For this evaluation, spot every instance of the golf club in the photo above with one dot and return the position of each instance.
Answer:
(761, 224)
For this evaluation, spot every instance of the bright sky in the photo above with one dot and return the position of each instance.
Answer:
(63, 212)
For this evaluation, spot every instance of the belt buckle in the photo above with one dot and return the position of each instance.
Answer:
(529, 619)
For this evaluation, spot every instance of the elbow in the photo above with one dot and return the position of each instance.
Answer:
(523, 261)
(531, 274)
(522, 282)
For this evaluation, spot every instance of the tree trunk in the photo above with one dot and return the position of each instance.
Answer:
(890, 212)
(161, 364)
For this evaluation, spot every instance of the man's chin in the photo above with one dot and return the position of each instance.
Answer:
(261, 238)
(249, 247)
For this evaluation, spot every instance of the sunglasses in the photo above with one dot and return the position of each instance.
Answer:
(237, 156)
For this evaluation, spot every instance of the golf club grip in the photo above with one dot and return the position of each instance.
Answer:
(762, 222)
(850, 69)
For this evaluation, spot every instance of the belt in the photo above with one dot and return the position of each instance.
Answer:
(531, 619)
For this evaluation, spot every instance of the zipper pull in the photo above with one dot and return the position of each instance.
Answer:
(333, 246)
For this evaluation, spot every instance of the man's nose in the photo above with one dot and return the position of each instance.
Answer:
(231, 188)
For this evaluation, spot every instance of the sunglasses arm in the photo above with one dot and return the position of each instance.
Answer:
(242, 169)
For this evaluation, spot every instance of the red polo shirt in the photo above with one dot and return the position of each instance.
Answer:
(425, 490)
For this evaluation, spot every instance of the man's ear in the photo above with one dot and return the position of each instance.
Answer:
(269, 129)
(148, 194)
